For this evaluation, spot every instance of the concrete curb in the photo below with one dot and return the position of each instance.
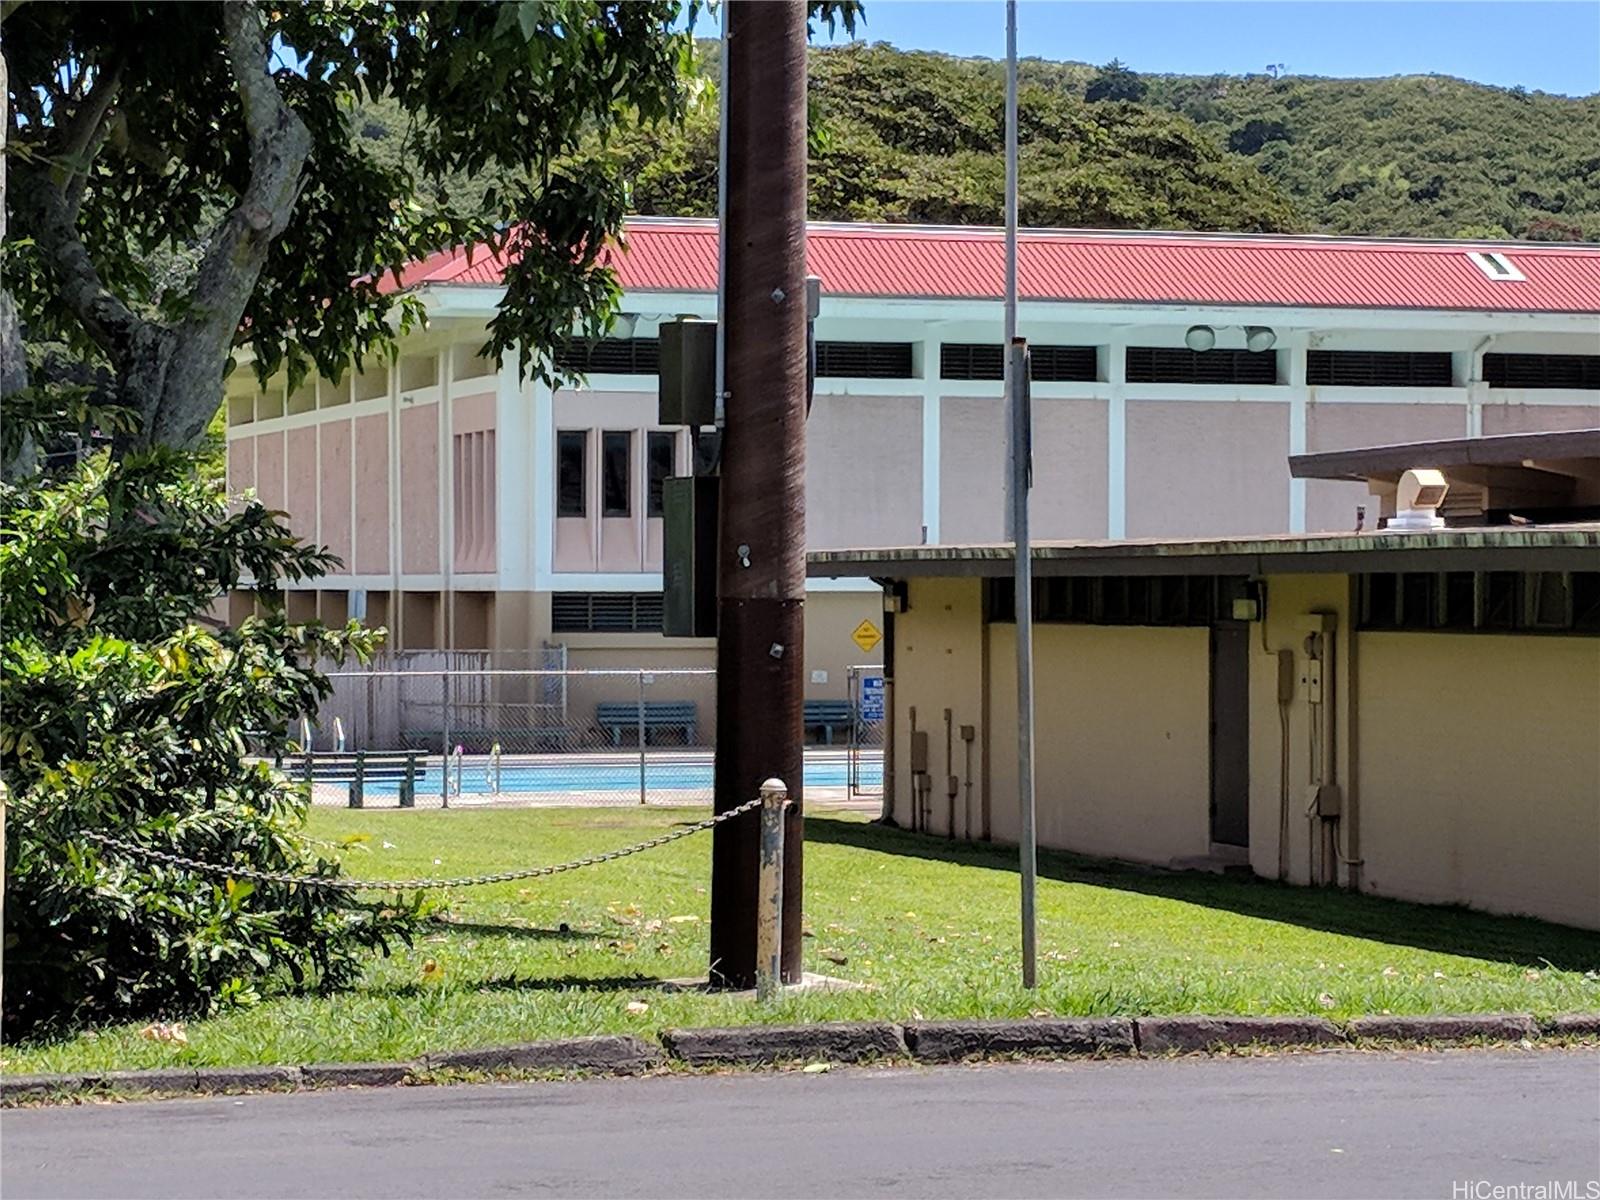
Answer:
(1497, 1027)
(843, 1041)
(833, 1041)
(620, 1054)
(1185, 1034)
(952, 1041)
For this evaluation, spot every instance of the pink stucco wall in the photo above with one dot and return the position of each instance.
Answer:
(971, 459)
(1211, 468)
(419, 489)
(241, 464)
(269, 469)
(1069, 469)
(1331, 506)
(1533, 418)
(334, 466)
(864, 471)
(301, 472)
(371, 552)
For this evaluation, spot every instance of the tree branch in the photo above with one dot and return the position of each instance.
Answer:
(86, 133)
(279, 146)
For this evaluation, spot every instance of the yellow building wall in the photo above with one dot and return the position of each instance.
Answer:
(1122, 757)
(1290, 599)
(1480, 771)
(938, 666)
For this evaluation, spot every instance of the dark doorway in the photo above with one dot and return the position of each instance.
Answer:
(1230, 733)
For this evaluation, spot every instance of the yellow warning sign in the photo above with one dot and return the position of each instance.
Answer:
(866, 636)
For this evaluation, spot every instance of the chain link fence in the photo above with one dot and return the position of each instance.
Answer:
(451, 730)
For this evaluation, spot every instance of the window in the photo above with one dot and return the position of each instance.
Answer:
(1378, 368)
(1495, 265)
(1542, 371)
(864, 360)
(1483, 601)
(1120, 599)
(609, 356)
(572, 485)
(1155, 364)
(661, 452)
(1051, 364)
(605, 612)
(616, 473)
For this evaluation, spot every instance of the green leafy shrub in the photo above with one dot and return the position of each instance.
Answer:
(123, 712)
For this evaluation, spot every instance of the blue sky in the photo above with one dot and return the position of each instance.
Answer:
(1548, 45)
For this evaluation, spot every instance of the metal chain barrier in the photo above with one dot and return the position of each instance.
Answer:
(221, 871)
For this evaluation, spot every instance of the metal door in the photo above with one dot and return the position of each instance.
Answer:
(1230, 733)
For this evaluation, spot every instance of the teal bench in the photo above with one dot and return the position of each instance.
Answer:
(825, 716)
(620, 716)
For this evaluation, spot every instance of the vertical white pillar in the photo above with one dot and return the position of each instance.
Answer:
(932, 450)
(1117, 436)
(1295, 347)
(541, 510)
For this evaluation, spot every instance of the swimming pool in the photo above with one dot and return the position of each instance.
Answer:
(556, 774)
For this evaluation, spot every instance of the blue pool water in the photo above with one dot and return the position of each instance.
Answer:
(556, 776)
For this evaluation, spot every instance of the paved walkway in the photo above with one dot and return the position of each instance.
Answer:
(1304, 1125)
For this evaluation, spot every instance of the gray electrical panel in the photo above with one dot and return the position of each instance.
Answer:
(689, 558)
(688, 392)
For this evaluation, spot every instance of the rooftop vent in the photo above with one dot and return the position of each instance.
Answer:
(1495, 265)
(1417, 500)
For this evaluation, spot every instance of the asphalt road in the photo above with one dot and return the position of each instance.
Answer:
(1303, 1125)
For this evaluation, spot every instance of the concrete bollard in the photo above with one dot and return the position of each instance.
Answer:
(769, 890)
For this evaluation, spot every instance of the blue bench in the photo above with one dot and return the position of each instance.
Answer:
(619, 716)
(357, 769)
(827, 715)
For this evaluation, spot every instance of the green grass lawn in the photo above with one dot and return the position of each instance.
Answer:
(928, 925)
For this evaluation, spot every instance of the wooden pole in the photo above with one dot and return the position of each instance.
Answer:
(761, 555)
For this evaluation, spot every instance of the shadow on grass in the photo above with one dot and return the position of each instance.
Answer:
(1446, 929)
(531, 933)
(528, 983)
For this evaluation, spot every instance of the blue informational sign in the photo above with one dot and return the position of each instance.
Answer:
(872, 697)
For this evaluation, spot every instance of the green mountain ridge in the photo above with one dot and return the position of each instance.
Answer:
(913, 136)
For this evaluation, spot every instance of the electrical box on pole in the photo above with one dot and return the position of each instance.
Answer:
(689, 556)
(688, 391)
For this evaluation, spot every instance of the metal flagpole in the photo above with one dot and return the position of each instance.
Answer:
(1018, 422)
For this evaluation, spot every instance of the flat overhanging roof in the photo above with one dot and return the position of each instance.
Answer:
(1502, 548)
(1513, 450)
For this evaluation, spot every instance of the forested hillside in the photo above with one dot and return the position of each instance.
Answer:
(917, 137)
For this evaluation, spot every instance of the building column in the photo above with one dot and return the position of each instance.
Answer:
(932, 449)
(1116, 374)
(540, 508)
(1295, 347)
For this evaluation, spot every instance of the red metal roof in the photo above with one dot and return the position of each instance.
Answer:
(678, 255)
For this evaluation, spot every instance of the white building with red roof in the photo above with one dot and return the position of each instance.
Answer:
(477, 509)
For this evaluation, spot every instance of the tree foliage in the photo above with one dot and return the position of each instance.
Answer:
(119, 713)
(184, 183)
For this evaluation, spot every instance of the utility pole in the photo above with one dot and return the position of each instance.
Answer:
(761, 569)
(1019, 420)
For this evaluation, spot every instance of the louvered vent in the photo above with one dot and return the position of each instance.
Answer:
(1051, 364)
(1378, 368)
(605, 612)
(1542, 371)
(609, 356)
(864, 360)
(1156, 364)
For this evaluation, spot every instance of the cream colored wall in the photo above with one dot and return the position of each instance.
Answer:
(1289, 600)
(1122, 764)
(1480, 771)
(938, 665)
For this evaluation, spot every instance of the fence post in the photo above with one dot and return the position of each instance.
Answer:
(358, 785)
(408, 789)
(769, 890)
(444, 757)
(641, 738)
